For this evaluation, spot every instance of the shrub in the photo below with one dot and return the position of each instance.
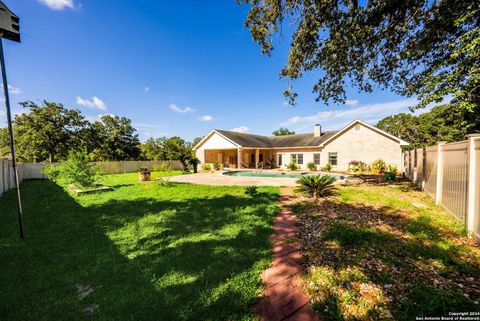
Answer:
(292, 166)
(379, 166)
(142, 169)
(327, 168)
(77, 170)
(311, 166)
(216, 166)
(53, 171)
(316, 185)
(251, 190)
(206, 167)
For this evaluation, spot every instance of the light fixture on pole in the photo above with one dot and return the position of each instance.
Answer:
(10, 29)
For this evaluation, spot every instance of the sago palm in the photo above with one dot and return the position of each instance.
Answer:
(316, 185)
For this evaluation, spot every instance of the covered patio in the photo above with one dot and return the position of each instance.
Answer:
(239, 157)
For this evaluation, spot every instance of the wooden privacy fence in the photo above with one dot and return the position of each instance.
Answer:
(450, 173)
(34, 171)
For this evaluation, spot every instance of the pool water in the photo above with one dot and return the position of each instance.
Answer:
(273, 174)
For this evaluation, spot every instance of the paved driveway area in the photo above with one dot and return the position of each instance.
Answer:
(219, 179)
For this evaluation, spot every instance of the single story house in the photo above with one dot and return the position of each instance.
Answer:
(357, 141)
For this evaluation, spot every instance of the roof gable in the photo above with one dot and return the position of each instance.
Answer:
(373, 128)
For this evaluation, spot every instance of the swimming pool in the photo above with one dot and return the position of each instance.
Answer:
(275, 174)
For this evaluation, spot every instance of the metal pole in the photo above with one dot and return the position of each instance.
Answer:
(12, 147)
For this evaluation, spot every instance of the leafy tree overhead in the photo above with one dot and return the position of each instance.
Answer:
(424, 48)
(282, 131)
(48, 131)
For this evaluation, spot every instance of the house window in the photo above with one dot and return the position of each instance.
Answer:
(316, 158)
(300, 159)
(297, 158)
(333, 159)
(280, 160)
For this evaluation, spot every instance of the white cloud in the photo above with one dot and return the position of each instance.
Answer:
(143, 125)
(58, 4)
(241, 129)
(206, 118)
(93, 119)
(95, 103)
(180, 110)
(13, 90)
(351, 102)
(373, 112)
(146, 89)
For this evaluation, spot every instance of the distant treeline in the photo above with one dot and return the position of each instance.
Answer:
(447, 123)
(49, 132)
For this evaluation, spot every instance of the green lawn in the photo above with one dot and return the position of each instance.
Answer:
(387, 252)
(149, 251)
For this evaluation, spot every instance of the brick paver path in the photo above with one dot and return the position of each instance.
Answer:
(284, 298)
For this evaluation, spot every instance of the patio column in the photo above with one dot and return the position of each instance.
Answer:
(239, 158)
(257, 156)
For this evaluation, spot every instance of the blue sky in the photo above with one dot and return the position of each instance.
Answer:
(173, 67)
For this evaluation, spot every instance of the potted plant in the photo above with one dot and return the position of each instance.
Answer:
(143, 174)
(391, 173)
(379, 166)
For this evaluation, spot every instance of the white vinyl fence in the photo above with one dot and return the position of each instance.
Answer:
(34, 171)
(450, 173)
(25, 171)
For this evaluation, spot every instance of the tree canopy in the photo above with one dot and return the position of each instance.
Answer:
(282, 131)
(48, 130)
(415, 47)
(442, 123)
(116, 139)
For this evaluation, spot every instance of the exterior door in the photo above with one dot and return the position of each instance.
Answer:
(279, 159)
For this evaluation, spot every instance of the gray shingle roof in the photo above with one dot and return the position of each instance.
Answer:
(297, 140)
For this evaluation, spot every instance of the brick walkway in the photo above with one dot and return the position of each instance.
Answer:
(284, 298)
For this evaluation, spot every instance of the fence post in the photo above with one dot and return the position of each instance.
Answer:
(424, 166)
(415, 166)
(473, 205)
(439, 188)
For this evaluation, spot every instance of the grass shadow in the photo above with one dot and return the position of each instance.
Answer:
(176, 258)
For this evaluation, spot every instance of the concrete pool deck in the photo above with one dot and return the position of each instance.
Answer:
(218, 179)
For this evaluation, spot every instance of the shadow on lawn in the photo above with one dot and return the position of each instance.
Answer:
(146, 259)
(372, 261)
